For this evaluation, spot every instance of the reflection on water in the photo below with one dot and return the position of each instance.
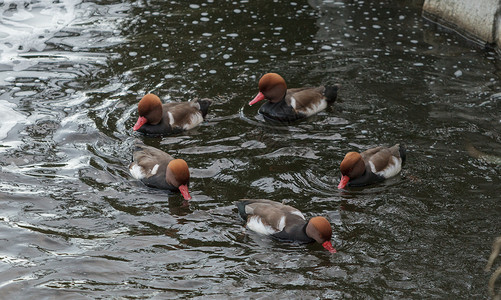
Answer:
(77, 225)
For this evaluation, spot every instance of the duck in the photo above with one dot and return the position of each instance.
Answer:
(157, 169)
(156, 118)
(289, 105)
(371, 166)
(284, 222)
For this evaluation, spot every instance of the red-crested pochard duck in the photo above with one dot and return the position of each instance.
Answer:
(288, 105)
(284, 222)
(163, 119)
(371, 166)
(158, 169)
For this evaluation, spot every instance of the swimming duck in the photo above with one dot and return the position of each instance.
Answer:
(158, 169)
(163, 119)
(284, 222)
(288, 105)
(371, 166)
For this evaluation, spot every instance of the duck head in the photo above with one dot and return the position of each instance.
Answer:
(178, 175)
(352, 166)
(150, 111)
(319, 229)
(272, 87)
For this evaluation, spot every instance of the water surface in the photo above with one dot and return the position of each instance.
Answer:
(75, 224)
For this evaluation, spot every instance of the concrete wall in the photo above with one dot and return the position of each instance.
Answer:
(476, 19)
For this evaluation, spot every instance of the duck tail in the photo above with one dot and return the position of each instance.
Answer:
(330, 93)
(403, 153)
(204, 106)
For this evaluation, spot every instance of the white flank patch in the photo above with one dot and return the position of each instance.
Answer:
(137, 171)
(194, 121)
(293, 102)
(373, 167)
(298, 213)
(256, 224)
(155, 169)
(309, 111)
(393, 168)
(171, 118)
(281, 224)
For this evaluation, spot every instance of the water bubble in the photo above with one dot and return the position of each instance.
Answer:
(212, 71)
(194, 6)
(458, 73)
(132, 53)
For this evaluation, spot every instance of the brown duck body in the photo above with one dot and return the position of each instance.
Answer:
(284, 222)
(158, 169)
(371, 166)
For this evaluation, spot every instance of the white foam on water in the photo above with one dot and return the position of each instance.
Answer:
(10, 118)
(72, 165)
(27, 25)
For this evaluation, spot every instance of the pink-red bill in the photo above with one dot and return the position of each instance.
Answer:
(140, 122)
(343, 182)
(184, 191)
(256, 99)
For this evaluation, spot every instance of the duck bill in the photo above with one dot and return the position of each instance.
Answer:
(343, 182)
(328, 245)
(140, 122)
(256, 99)
(184, 191)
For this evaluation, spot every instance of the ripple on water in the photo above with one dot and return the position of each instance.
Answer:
(78, 224)
(10, 118)
(29, 28)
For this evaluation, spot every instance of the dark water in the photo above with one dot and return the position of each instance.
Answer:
(74, 224)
